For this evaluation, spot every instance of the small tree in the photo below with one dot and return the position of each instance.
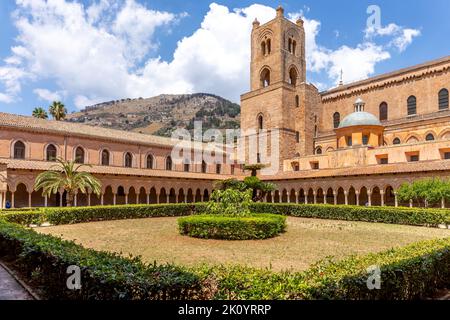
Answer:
(255, 184)
(427, 191)
(58, 111)
(66, 175)
(40, 113)
(230, 202)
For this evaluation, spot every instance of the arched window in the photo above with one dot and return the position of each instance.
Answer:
(383, 111)
(412, 105)
(365, 140)
(443, 99)
(294, 46)
(429, 137)
(260, 122)
(293, 76)
(169, 163)
(319, 150)
(297, 101)
(19, 150)
(51, 153)
(128, 161)
(218, 168)
(269, 46)
(396, 141)
(204, 167)
(105, 157)
(150, 161)
(265, 78)
(263, 48)
(336, 120)
(290, 45)
(79, 155)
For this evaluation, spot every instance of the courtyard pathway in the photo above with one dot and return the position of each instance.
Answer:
(10, 289)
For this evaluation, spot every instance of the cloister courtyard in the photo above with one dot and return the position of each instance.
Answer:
(305, 242)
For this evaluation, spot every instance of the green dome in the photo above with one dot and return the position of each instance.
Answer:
(360, 118)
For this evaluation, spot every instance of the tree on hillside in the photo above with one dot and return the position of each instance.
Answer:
(40, 113)
(66, 175)
(58, 110)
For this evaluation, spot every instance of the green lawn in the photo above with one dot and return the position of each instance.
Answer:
(306, 241)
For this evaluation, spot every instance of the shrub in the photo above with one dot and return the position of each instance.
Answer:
(260, 226)
(230, 202)
(408, 216)
(104, 276)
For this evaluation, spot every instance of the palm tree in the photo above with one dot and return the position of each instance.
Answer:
(40, 113)
(58, 110)
(66, 175)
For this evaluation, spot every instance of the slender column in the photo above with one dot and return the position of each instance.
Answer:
(324, 198)
(148, 198)
(29, 199)
(272, 197)
(306, 198)
(102, 199)
(395, 199)
(382, 197)
(369, 198)
(89, 199)
(168, 197)
(114, 199)
(13, 204)
(126, 198)
(357, 197)
(442, 203)
(335, 197)
(288, 197)
(296, 197)
(346, 197)
(411, 203)
(157, 198)
(315, 197)
(1, 200)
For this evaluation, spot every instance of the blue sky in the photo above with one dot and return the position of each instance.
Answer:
(85, 52)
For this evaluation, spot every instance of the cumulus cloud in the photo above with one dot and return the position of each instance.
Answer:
(107, 50)
(401, 37)
(47, 95)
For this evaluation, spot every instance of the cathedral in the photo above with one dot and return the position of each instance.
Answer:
(354, 144)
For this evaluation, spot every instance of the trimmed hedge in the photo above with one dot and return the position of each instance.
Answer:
(400, 215)
(261, 226)
(72, 215)
(104, 276)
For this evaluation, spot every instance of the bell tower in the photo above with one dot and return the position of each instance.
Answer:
(279, 97)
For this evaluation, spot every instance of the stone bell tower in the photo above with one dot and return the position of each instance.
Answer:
(279, 97)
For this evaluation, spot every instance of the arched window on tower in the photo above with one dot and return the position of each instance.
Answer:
(294, 47)
(51, 153)
(429, 137)
(297, 101)
(265, 78)
(318, 150)
(269, 46)
(204, 167)
(290, 45)
(293, 76)
(105, 157)
(19, 150)
(412, 105)
(336, 119)
(263, 48)
(383, 111)
(443, 99)
(260, 122)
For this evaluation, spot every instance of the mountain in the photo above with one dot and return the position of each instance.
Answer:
(162, 114)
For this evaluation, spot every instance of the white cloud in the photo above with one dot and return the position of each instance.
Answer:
(402, 37)
(47, 95)
(106, 51)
